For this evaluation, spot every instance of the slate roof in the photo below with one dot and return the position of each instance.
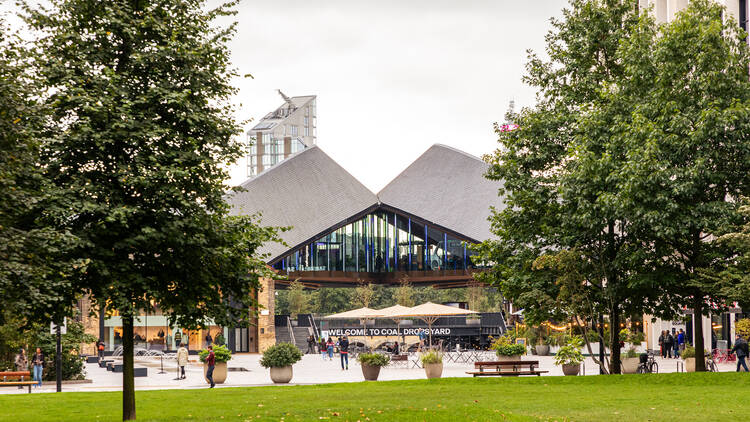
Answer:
(312, 193)
(308, 191)
(447, 187)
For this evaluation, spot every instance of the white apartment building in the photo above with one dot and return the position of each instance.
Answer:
(665, 10)
(288, 129)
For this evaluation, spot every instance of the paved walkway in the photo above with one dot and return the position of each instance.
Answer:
(311, 370)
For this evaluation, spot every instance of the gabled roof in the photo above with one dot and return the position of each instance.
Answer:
(307, 191)
(447, 187)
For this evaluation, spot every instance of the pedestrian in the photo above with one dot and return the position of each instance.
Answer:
(668, 342)
(22, 363)
(209, 339)
(741, 349)
(329, 348)
(322, 347)
(182, 361)
(676, 344)
(211, 362)
(311, 344)
(38, 363)
(662, 339)
(178, 337)
(100, 349)
(396, 349)
(344, 352)
(422, 338)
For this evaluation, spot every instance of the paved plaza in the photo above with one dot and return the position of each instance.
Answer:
(312, 369)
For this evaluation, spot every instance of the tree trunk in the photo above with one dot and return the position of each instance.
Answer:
(128, 382)
(700, 361)
(614, 340)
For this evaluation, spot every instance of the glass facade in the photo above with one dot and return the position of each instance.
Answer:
(151, 331)
(382, 241)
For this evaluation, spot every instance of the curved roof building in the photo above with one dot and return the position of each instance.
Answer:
(341, 233)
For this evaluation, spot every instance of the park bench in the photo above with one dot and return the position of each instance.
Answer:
(506, 368)
(16, 379)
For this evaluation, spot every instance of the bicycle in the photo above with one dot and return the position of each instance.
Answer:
(711, 364)
(648, 364)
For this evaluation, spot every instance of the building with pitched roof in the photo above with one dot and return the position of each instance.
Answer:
(341, 233)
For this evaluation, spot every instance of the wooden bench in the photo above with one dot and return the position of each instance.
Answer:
(16, 379)
(506, 368)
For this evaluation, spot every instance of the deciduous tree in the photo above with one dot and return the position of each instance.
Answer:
(140, 137)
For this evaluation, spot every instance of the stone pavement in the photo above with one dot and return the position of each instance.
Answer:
(311, 370)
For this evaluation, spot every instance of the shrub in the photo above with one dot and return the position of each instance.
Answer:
(504, 346)
(625, 335)
(431, 357)
(637, 337)
(689, 352)
(570, 353)
(373, 359)
(221, 354)
(220, 340)
(631, 353)
(742, 327)
(280, 355)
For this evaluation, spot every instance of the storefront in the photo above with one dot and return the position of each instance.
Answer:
(152, 332)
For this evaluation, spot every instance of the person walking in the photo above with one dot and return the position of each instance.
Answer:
(396, 349)
(344, 352)
(329, 348)
(322, 347)
(422, 338)
(37, 361)
(211, 361)
(662, 339)
(178, 337)
(311, 344)
(668, 342)
(675, 344)
(100, 349)
(22, 363)
(182, 361)
(741, 349)
(209, 339)
(681, 340)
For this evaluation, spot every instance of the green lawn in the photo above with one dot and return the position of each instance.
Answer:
(662, 397)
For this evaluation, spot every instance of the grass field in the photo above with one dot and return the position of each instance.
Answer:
(662, 397)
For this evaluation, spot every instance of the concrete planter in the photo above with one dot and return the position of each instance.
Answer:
(503, 358)
(571, 369)
(689, 364)
(433, 370)
(370, 372)
(282, 375)
(630, 365)
(220, 372)
(472, 321)
(542, 349)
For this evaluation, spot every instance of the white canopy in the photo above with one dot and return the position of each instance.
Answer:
(361, 313)
(429, 312)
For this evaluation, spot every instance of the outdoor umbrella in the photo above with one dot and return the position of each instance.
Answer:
(387, 313)
(429, 312)
(362, 314)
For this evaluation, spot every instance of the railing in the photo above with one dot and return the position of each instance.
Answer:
(316, 333)
(291, 330)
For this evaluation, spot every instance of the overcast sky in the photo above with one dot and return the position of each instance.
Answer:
(392, 77)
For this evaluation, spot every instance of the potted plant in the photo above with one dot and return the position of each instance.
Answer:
(630, 361)
(280, 358)
(371, 364)
(688, 355)
(569, 356)
(506, 350)
(543, 344)
(222, 355)
(432, 362)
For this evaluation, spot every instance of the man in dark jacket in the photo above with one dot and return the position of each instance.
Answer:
(344, 352)
(311, 344)
(741, 349)
(211, 362)
(668, 344)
